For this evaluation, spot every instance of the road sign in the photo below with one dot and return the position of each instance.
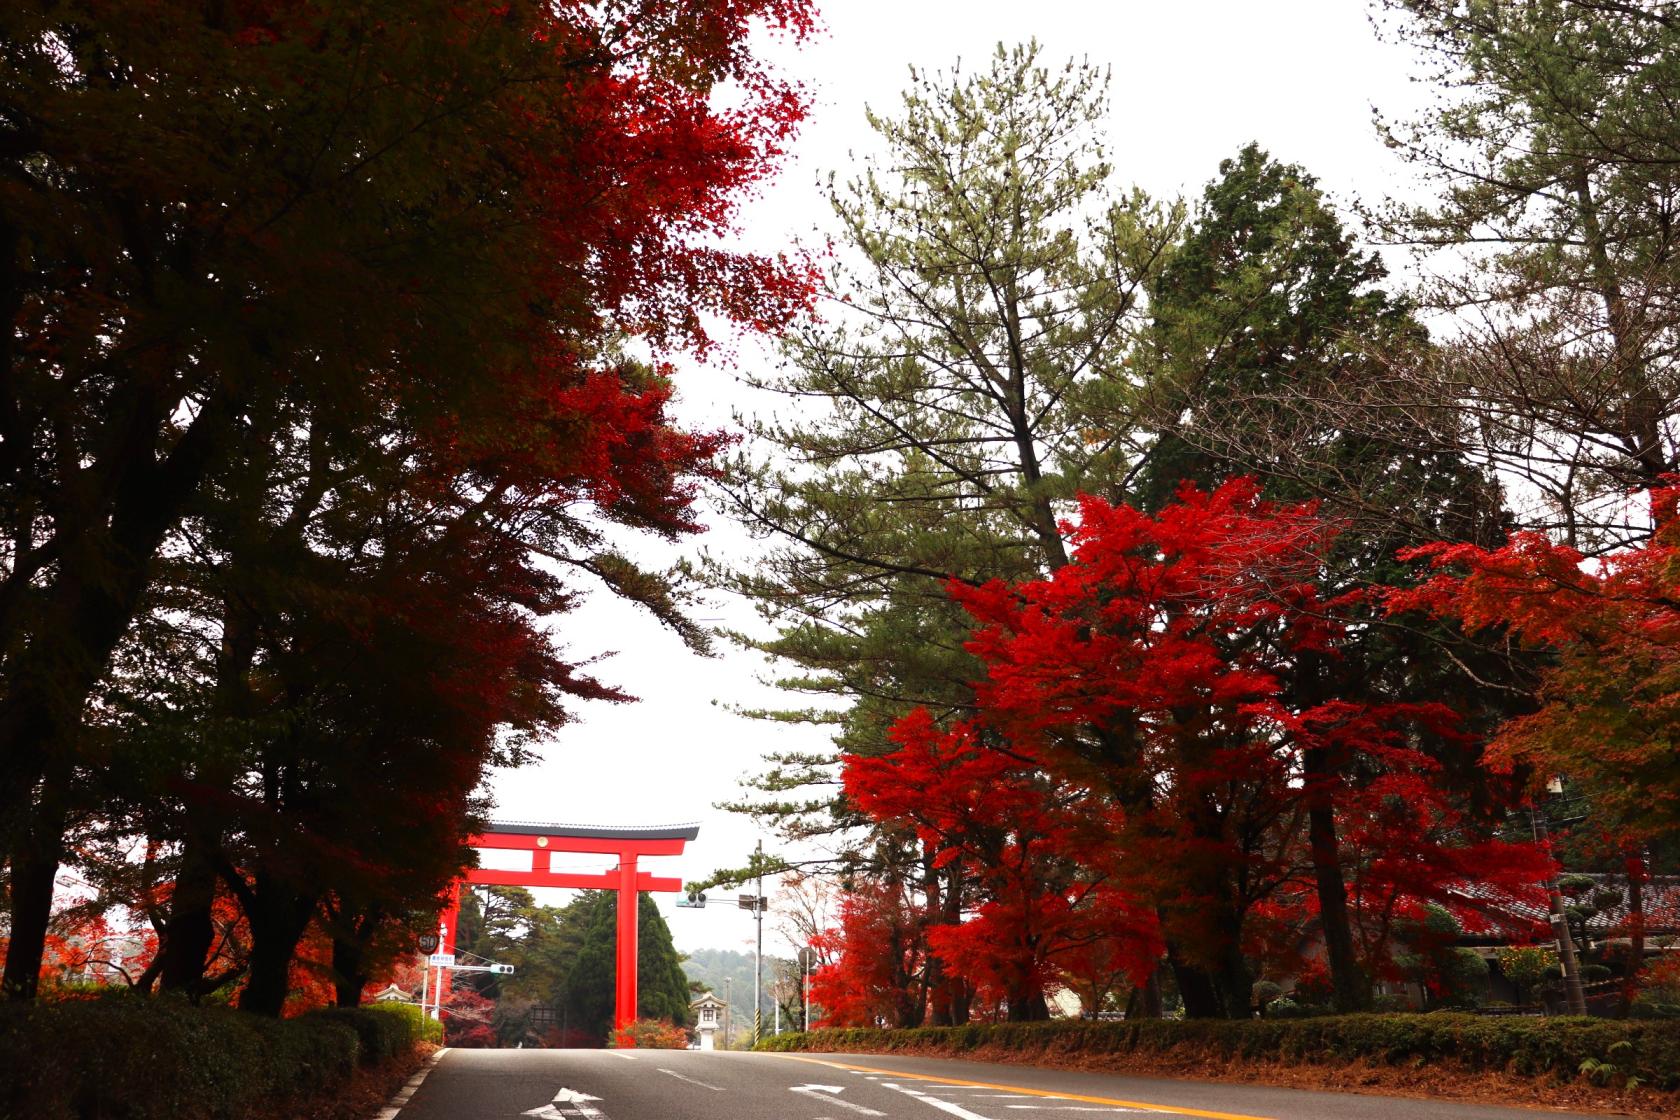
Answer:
(753, 902)
(428, 942)
(441, 960)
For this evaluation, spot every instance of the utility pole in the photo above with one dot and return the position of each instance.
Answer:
(437, 992)
(1560, 922)
(758, 953)
(805, 984)
(728, 983)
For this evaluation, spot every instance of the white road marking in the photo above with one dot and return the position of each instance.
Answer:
(952, 1107)
(622, 1054)
(823, 1093)
(1074, 1108)
(568, 1104)
(962, 1113)
(1044, 1094)
(690, 1080)
(407, 1091)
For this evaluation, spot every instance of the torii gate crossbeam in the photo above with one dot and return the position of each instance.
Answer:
(628, 844)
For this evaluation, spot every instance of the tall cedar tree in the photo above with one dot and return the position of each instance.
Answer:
(661, 986)
(1554, 146)
(968, 384)
(1264, 316)
(216, 217)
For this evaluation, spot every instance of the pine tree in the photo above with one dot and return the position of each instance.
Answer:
(970, 383)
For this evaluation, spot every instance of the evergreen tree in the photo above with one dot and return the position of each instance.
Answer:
(1554, 145)
(1267, 319)
(972, 382)
(661, 986)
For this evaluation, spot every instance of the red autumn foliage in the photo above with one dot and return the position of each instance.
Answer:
(1007, 829)
(1611, 627)
(874, 957)
(1134, 773)
(415, 237)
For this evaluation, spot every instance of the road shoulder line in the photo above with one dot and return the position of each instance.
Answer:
(1170, 1109)
(406, 1093)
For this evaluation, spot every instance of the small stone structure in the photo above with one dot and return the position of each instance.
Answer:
(708, 1019)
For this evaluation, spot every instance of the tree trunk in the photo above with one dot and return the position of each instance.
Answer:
(1351, 990)
(1196, 987)
(1152, 995)
(1637, 871)
(1027, 1004)
(191, 928)
(1236, 983)
(103, 571)
(933, 974)
(278, 917)
(35, 858)
(350, 978)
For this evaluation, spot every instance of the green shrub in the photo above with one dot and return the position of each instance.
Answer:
(1646, 1050)
(1650, 1006)
(385, 1030)
(1526, 966)
(123, 1057)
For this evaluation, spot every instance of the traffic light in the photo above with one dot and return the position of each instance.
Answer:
(502, 969)
(696, 900)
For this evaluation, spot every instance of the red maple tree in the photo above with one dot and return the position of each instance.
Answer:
(1138, 759)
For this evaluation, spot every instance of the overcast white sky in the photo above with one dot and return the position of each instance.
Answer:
(1193, 80)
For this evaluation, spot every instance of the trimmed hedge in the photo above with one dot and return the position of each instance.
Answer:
(129, 1058)
(384, 1030)
(1610, 1051)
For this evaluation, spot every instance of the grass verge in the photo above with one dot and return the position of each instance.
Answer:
(1595, 1064)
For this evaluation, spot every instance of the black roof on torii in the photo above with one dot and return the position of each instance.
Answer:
(596, 831)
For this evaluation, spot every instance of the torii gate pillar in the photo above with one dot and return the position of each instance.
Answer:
(629, 937)
(628, 844)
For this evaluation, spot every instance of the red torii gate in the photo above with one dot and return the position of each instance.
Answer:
(628, 844)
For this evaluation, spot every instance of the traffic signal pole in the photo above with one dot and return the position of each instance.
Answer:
(758, 952)
(758, 904)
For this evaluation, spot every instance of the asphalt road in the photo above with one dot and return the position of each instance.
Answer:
(689, 1085)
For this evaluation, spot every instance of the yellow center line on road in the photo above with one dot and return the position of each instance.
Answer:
(1172, 1109)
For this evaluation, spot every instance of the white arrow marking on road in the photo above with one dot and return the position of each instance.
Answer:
(690, 1080)
(824, 1090)
(576, 1105)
